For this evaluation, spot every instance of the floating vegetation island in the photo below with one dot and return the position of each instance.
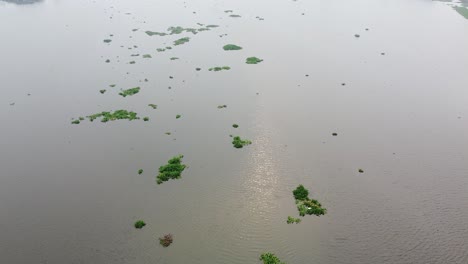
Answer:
(253, 60)
(270, 258)
(223, 68)
(139, 224)
(237, 142)
(306, 205)
(116, 115)
(172, 170)
(232, 47)
(166, 240)
(130, 92)
(181, 41)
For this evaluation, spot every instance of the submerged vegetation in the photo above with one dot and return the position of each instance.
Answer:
(166, 240)
(116, 115)
(130, 92)
(270, 258)
(306, 205)
(139, 224)
(223, 68)
(172, 170)
(237, 142)
(231, 47)
(292, 220)
(253, 60)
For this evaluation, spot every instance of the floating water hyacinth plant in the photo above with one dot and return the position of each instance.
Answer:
(237, 142)
(116, 115)
(130, 92)
(139, 224)
(172, 170)
(231, 47)
(270, 258)
(253, 60)
(306, 205)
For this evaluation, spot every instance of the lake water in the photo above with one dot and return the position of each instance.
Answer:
(71, 193)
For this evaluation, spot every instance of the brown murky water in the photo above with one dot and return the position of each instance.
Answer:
(71, 193)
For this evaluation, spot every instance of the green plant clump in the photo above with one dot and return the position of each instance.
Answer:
(253, 60)
(270, 258)
(102, 91)
(306, 205)
(231, 47)
(107, 40)
(292, 220)
(222, 106)
(172, 170)
(174, 58)
(219, 68)
(140, 171)
(147, 56)
(75, 122)
(152, 33)
(130, 92)
(153, 106)
(145, 118)
(116, 115)
(237, 142)
(178, 116)
(181, 41)
(139, 224)
(235, 125)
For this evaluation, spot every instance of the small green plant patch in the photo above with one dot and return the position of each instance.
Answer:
(306, 205)
(147, 56)
(75, 122)
(107, 40)
(237, 142)
(130, 92)
(152, 33)
(223, 68)
(181, 41)
(292, 220)
(235, 125)
(178, 116)
(232, 47)
(235, 16)
(102, 91)
(139, 224)
(145, 118)
(174, 58)
(172, 170)
(222, 106)
(270, 258)
(140, 171)
(116, 115)
(153, 106)
(166, 240)
(253, 60)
